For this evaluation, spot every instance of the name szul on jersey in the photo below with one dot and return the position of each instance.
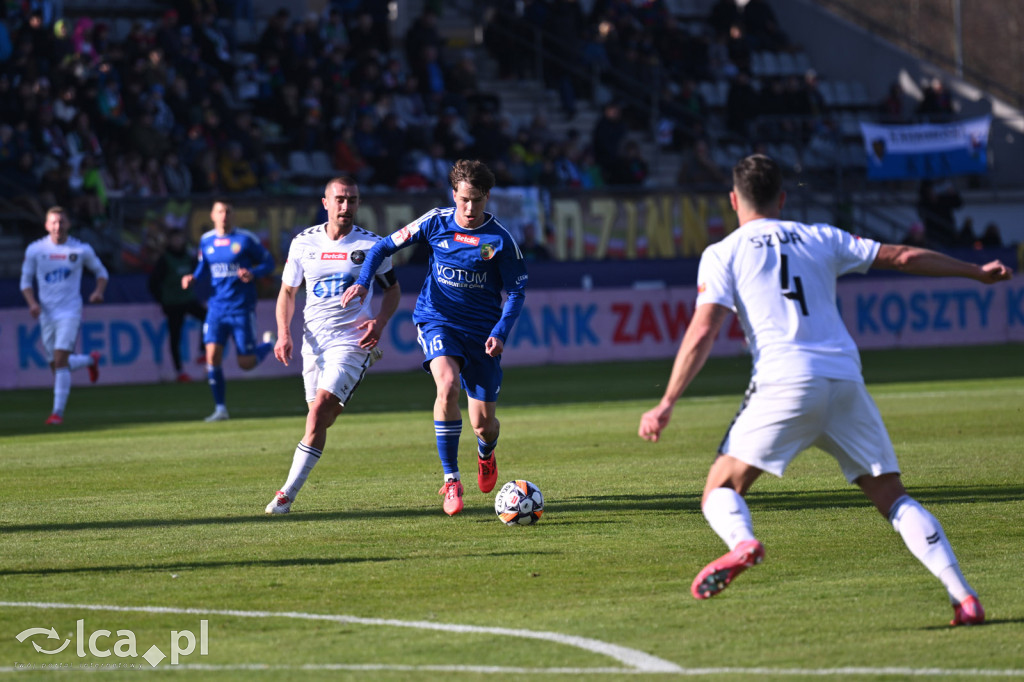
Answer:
(773, 238)
(219, 270)
(467, 239)
(333, 255)
(456, 277)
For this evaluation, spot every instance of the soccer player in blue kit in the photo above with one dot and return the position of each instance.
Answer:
(232, 259)
(461, 321)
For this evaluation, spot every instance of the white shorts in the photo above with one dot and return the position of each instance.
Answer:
(336, 370)
(60, 334)
(779, 421)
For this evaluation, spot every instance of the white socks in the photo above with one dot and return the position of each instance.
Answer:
(79, 361)
(727, 513)
(923, 535)
(303, 461)
(61, 389)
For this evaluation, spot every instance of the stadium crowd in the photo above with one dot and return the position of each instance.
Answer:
(179, 105)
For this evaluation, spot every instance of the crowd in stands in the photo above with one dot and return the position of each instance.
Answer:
(180, 105)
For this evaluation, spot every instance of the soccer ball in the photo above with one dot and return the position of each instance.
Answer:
(519, 503)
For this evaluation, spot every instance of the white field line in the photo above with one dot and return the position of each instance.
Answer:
(639, 663)
(636, 660)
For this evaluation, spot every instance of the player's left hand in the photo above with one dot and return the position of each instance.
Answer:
(96, 297)
(245, 274)
(653, 421)
(494, 346)
(371, 336)
(354, 291)
(283, 349)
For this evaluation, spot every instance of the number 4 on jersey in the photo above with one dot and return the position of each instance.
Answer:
(797, 292)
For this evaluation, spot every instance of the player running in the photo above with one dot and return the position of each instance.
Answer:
(338, 344)
(55, 264)
(806, 388)
(462, 322)
(231, 259)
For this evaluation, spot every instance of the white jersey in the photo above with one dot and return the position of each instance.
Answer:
(57, 268)
(329, 267)
(780, 279)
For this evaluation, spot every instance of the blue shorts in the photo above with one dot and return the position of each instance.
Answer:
(480, 374)
(240, 326)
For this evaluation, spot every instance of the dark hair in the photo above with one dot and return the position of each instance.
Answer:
(758, 180)
(343, 179)
(475, 173)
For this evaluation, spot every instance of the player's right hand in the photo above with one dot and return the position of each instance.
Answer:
(995, 271)
(34, 309)
(283, 349)
(653, 421)
(186, 281)
(354, 291)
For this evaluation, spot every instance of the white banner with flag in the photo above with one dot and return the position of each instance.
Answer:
(923, 151)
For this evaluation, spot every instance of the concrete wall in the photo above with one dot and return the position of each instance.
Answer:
(840, 50)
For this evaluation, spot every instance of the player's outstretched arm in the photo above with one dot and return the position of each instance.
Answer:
(915, 260)
(693, 353)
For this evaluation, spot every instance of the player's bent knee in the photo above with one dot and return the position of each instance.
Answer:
(325, 412)
(247, 362)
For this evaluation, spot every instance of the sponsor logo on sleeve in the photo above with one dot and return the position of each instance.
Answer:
(402, 236)
(701, 288)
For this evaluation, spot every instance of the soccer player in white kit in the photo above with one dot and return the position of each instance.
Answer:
(55, 264)
(806, 388)
(338, 344)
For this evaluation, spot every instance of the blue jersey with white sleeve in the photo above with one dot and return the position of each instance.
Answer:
(469, 268)
(220, 257)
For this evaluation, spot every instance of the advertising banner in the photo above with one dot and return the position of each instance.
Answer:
(556, 327)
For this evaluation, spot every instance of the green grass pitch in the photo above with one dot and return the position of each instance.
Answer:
(137, 503)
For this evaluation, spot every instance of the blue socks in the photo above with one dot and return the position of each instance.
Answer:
(447, 434)
(263, 350)
(485, 449)
(215, 375)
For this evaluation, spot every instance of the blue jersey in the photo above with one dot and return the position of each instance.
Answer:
(219, 261)
(468, 270)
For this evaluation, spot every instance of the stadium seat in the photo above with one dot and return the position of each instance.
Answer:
(300, 165)
(842, 93)
(322, 166)
(787, 65)
(801, 62)
(827, 93)
(858, 94)
(770, 63)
